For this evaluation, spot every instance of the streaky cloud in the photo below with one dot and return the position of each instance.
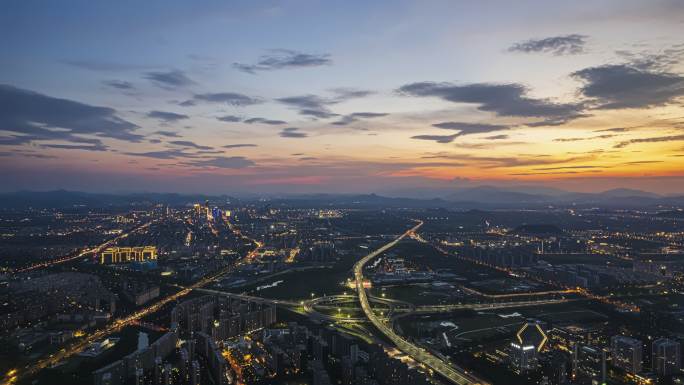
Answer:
(284, 59)
(557, 45)
(229, 118)
(273, 122)
(292, 132)
(169, 79)
(624, 86)
(30, 116)
(166, 117)
(231, 162)
(502, 99)
(189, 144)
(230, 98)
(657, 139)
(239, 145)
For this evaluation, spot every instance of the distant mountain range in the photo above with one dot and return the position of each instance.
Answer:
(547, 196)
(481, 197)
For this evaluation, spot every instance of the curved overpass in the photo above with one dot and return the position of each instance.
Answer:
(453, 374)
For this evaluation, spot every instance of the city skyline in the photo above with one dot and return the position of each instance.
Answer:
(356, 97)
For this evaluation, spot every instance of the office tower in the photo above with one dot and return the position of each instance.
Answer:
(195, 373)
(530, 340)
(168, 375)
(143, 341)
(523, 357)
(627, 353)
(665, 357)
(354, 353)
(139, 376)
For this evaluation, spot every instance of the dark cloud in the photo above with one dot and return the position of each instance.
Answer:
(166, 117)
(311, 105)
(471, 128)
(283, 59)
(557, 45)
(498, 162)
(102, 66)
(224, 162)
(497, 137)
(437, 138)
(463, 129)
(27, 154)
(229, 118)
(356, 116)
(323, 113)
(29, 116)
(238, 145)
(264, 121)
(624, 86)
(567, 168)
(604, 136)
(638, 162)
(189, 144)
(119, 84)
(501, 99)
(169, 79)
(85, 147)
(657, 139)
(342, 94)
(209, 152)
(168, 134)
(292, 132)
(231, 98)
(614, 129)
(317, 106)
(163, 154)
(553, 173)
(663, 60)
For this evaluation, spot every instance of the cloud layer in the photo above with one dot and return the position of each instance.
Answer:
(30, 116)
(284, 59)
(556, 45)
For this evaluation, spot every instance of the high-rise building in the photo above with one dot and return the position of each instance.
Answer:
(666, 357)
(523, 357)
(530, 340)
(195, 373)
(627, 353)
(143, 341)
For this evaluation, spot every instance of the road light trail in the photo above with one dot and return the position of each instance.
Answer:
(119, 324)
(455, 375)
(82, 253)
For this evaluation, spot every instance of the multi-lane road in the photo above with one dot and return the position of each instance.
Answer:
(118, 324)
(82, 253)
(448, 371)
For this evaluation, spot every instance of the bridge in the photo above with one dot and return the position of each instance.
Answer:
(452, 373)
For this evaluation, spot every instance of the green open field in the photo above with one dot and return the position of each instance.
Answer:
(477, 325)
(299, 285)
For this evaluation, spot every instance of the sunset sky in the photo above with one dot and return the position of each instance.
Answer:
(341, 96)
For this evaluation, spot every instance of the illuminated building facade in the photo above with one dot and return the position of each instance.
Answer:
(627, 353)
(128, 254)
(523, 357)
(530, 340)
(666, 357)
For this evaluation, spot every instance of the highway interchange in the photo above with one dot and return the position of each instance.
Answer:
(309, 308)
